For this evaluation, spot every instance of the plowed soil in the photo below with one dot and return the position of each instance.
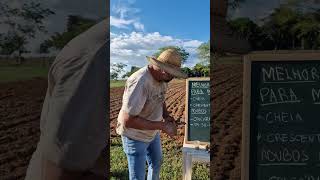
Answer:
(226, 101)
(21, 102)
(20, 108)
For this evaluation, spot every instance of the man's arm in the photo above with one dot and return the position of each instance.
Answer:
(137, 122)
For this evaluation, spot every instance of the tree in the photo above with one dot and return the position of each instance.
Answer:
(251, 32)
(22, 24)
(44, 47)
(116, 70)
(201, 70)
(187, 71)
(279, 24)
(75, 26)
(184, 54)
(204, 53)
(290, 26)
(308, 31)
(133, 70)
(234, 3)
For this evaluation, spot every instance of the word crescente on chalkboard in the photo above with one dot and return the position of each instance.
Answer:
(281, 127)
(197, 111)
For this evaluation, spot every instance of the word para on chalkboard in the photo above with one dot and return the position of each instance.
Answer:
(271, 96)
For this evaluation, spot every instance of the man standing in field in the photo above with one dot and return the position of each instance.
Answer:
(143, 114)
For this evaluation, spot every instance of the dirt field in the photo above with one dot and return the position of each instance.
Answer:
(175, 100)
(21, 102)
(226, 125)
(20, 108)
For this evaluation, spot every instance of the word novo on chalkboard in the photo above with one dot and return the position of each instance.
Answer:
(197, 131)
(281, 106)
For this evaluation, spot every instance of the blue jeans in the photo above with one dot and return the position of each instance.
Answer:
(138, 153)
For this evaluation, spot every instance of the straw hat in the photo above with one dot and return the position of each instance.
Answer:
(170, 61)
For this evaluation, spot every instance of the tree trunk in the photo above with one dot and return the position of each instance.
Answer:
(302, 43)
(19, 58)
(293, 43)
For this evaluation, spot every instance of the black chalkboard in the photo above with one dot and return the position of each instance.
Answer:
(285, 120)
(198, 110)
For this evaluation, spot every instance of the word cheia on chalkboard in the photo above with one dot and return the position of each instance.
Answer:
(198, 110)
(281, 125)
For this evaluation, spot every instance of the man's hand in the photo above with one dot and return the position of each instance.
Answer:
(170, 128)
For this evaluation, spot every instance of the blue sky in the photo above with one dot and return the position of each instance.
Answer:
(140, 27)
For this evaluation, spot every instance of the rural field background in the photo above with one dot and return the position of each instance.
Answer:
(10, 71)
(22, 92)
(171, 148)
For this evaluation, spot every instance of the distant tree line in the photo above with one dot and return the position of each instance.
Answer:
(75, 26)
(20, 25)
(201, 69)
(291, 26)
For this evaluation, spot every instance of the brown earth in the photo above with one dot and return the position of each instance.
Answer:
(226, 101)
(20, 108)
(21, 102)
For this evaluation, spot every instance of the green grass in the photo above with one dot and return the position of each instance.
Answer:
(117, 83)
(17, 73)
(171, 168)
(118, 161)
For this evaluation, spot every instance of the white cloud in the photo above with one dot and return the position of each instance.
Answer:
(124, 16)
(138, 26)
(123, 11)
(193, 43)
(126, 23)
(133, 48)
(120, 23)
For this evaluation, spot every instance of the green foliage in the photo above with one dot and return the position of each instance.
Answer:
(133, 70)
(200, 70)
(248, 30)
(204, 53)
(287, 27)
(184, 54)
(116, 70)
(235, 3)
(279, 24)
(308, 31)
(75, 26)
(22, 23)
(118, 160)
(11, 42)
(187, 70)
